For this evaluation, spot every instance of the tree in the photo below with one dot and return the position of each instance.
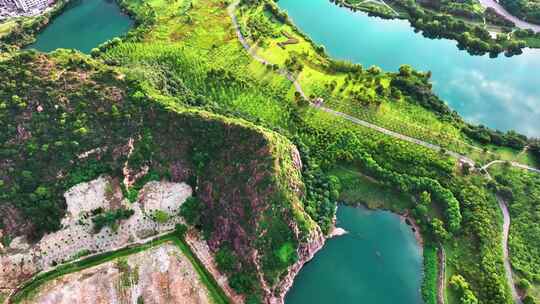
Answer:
(425, 198)
(529, 300)
(374, 70)
(405, 70)
(191, 211)
(437, 228)
(459, 284)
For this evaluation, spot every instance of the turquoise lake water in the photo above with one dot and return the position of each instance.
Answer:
(378, 262)
(502, 93)
(83, 25)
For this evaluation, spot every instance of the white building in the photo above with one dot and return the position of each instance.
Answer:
(27, 5)
(24, 5)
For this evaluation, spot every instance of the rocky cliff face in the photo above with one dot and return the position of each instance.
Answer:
(247, 178)
(306, 252)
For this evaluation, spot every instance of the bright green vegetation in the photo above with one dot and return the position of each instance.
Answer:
(522, 193)
(111, 219)
(216, 293)
(463, 21)
(479, 262)
(402, 102)
(160, 216)
(7, 26)
(431, 272)
(460, 285)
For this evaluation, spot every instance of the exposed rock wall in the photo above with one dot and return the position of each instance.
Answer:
(306, 252)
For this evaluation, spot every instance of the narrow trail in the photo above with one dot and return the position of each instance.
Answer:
(231, 9)
(522, 24)
(513, 163)
(507, 265)
(441, 280)
(395, 134)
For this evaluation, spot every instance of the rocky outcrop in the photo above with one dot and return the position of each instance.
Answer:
(20, 260)
(306, 252)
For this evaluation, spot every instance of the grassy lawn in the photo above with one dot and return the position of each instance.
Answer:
(358, 188)
(6, 27)
(31, 288)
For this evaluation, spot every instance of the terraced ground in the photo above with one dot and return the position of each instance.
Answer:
(157, 275)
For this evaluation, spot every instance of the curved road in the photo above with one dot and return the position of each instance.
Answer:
(507, 266)
(514, 164)
(502, 11)
(506, 226)
(253, 53)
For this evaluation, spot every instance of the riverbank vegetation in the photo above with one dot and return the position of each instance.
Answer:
(521, 191)
(463, 21)
(431, 272)
(402, 102)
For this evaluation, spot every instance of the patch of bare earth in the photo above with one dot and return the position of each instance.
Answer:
(20, 260)
(158, 275)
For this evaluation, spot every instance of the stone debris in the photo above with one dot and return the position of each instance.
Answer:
(77, 237)
(158, 275)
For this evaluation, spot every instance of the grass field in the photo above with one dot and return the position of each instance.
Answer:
(360, 189)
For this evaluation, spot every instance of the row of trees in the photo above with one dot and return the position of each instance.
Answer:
(473, 38)
(486, 136)
(525, 9)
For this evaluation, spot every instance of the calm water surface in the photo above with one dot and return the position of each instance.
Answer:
(378, 262)
(83, 25)
(502, 93)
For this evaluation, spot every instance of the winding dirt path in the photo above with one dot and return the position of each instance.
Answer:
(514, 164)
(502, 11)
(507, 265)
(441, 280)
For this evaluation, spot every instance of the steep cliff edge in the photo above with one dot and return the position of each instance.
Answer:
(69, 119)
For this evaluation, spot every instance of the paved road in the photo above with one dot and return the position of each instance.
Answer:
(395, 134)
(507, 265)
(502, 11)
(514, 164)
(252, 52)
